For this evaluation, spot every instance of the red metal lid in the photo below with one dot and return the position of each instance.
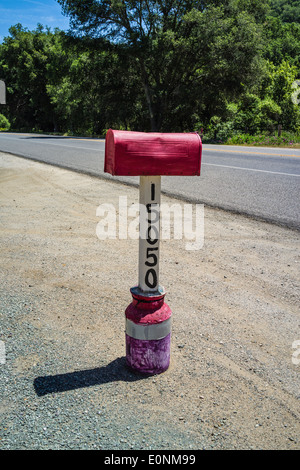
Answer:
(142, 153)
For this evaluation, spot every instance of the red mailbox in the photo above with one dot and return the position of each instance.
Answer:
(139, 153)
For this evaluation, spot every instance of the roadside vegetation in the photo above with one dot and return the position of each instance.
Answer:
(228, 69)
(285, 140)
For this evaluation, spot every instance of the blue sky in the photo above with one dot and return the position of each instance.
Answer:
(29, 13)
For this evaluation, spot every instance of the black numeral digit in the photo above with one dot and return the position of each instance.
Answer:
(151, 255)
(151, 273)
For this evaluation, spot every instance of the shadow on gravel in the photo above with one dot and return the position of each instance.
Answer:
(116, 370)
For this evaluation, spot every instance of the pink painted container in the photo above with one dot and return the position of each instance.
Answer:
(148, 333)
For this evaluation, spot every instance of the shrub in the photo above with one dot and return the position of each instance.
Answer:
(264, 140)
(4, 123)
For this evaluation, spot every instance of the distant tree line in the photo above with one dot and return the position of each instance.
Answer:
(157, 65)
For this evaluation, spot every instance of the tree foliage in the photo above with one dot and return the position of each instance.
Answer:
(287, 10)
(170, 65)
(29, 59)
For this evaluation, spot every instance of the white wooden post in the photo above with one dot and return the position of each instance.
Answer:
(150, 190)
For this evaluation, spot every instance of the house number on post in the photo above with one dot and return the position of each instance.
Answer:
(149, 233)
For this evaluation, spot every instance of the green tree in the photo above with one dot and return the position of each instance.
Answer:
(167, 65)
(4, 123)
(280, 89)
(282, 42)
(98, 91)
(287, 10)
(254, 115)
(179, 49)
(25, 59)
(228, 58)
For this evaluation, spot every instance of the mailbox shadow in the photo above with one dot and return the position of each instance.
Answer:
(116, 370)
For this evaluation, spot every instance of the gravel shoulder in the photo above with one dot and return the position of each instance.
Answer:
(233, 382)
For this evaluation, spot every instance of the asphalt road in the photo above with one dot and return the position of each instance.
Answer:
(259, 182)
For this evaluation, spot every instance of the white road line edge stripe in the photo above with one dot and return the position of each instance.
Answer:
(251, 169)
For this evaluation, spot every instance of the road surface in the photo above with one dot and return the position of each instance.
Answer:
(259, 182)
